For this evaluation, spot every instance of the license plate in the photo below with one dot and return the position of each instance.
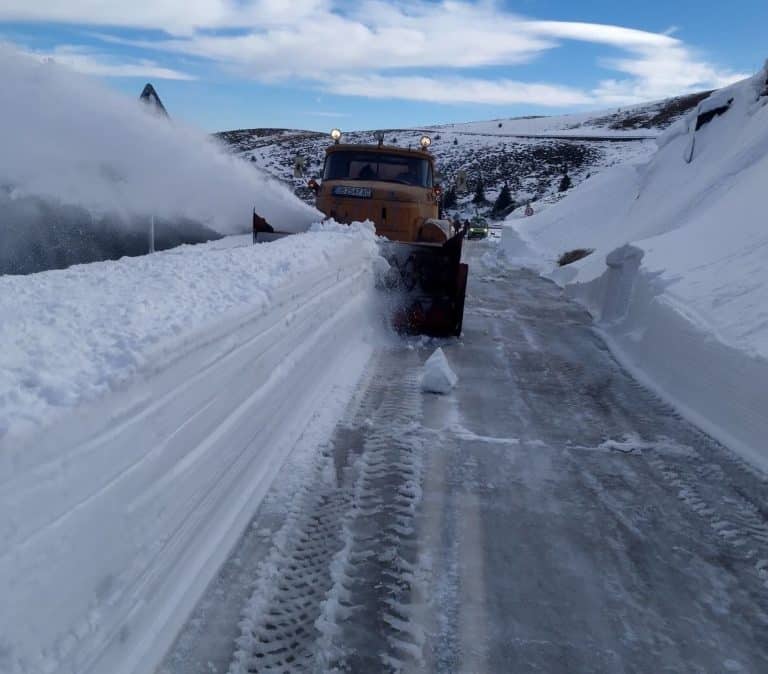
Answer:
(352, 191)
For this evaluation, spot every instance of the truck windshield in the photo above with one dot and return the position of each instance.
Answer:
(375, 166)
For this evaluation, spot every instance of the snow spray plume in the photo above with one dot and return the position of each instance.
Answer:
(71, 140)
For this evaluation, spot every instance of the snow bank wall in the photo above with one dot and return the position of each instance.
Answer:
(685, 302)
(721, 389)
(186, 378)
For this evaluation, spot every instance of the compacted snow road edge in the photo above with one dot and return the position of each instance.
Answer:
(112, 530)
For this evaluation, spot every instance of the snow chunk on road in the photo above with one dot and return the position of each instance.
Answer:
(438, 377)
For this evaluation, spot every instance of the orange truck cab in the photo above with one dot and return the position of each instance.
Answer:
(392, 187)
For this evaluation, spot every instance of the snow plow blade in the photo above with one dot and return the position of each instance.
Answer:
(430, 283)
(263, 232)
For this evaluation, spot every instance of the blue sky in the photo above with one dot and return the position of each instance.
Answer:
(224, 64)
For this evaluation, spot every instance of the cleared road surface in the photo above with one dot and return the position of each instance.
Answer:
(550, 515)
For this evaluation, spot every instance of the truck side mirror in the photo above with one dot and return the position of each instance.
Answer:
(313, 185)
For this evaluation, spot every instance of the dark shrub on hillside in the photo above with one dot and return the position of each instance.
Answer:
(479, 197)
(503, 201)
(449, 198)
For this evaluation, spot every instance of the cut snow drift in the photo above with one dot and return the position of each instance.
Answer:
(686, 304)
(187, 378)
(70, 336)
(438, 377)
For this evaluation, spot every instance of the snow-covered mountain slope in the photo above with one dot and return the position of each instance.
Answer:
(532, 167)
(497, 150)
(648, 119)
(145, 407)
(687, 301)
(528, 154)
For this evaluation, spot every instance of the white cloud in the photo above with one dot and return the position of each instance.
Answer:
(377, 37)
(661, 72)
(173, 16)
(90, 62)
(457, 90)
(658, 65)
(325, 113)
(372, 47)
(617, 36)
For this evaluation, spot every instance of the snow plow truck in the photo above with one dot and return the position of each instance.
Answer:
(396, 189)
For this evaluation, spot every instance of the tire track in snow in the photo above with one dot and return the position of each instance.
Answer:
(278, 627)
(278, 631)
(337, 591)
(368, 619)
(739, 522)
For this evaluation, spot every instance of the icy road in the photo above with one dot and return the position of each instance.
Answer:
(549, 515)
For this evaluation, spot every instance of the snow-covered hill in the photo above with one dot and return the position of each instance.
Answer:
(686, 302)
(528, 154)
(637, 121)
(533, 167)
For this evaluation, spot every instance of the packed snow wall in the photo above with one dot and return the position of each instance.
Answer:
(146, 405)
(686, 303)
